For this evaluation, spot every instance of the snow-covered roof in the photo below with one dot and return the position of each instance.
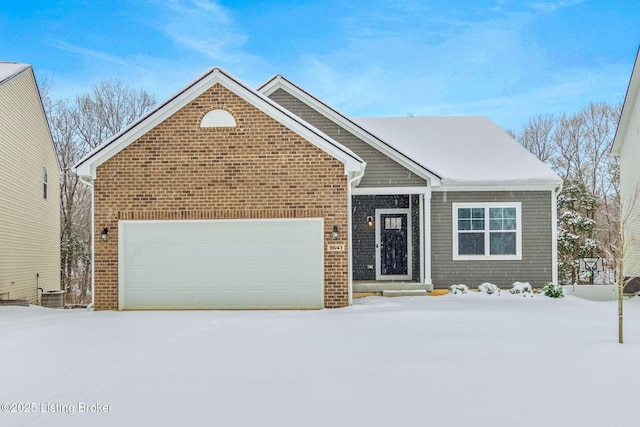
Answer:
(633, 90)
(10, 69)
(462, 150)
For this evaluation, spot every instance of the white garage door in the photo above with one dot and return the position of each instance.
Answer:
(234, 264)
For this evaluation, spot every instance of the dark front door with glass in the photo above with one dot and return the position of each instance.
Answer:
(394, 251)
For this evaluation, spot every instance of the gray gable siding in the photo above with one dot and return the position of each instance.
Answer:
(536, 266)
(381, 170)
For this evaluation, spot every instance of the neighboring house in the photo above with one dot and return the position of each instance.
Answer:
(228, 197)
(29, 189)
(626, 146)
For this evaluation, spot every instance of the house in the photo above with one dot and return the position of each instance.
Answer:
(626, 146)
(228, 197)
(29, 189)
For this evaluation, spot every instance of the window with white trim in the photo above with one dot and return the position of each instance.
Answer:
(45, 181)
(487, 231)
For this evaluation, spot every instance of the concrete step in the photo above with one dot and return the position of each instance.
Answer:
(404, 293)
(384, 286)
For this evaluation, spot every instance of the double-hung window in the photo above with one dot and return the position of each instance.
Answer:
(487, 231)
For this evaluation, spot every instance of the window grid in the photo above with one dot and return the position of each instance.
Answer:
(487, 231)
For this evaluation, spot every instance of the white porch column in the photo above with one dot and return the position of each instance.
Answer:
(426, 237)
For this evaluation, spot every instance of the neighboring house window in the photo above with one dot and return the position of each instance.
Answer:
(45, 180)
(487, 231)
(218, 119)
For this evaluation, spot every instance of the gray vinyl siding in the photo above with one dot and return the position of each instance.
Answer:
(381, 170)
(29, 223)
(536, 266)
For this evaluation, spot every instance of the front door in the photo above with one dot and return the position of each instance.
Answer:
(393, 244)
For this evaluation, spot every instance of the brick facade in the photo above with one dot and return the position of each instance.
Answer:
(259, 169)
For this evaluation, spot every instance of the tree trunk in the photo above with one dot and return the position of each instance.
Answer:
(620, 293)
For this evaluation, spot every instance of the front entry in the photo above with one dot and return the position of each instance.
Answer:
(393, 244)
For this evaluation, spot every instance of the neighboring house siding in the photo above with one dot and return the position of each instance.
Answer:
(381, 170)
(364, 237)
(29, 223)
(630, 190)
(260, 169)
(536, 264)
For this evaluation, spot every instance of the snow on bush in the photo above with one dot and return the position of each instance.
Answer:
(554, 291)
(489, 288)
(459, 289)
(522, 288)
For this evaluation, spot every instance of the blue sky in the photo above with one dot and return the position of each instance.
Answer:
(507, 60)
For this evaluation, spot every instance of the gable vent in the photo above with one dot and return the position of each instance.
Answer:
(218, 119)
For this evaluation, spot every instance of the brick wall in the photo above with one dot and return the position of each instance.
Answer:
(259, 169)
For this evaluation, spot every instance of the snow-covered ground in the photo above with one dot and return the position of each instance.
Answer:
(455, 360)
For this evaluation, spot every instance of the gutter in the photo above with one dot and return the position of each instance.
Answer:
(352, 182)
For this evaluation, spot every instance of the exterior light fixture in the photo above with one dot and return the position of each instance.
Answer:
(336, 234)
(369, 221)
(104, 233)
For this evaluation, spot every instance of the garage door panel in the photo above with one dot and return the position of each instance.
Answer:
(222, 254)
(240, 231)
(204, 277)
(221, 264)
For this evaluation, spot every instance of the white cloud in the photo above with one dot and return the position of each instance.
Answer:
(206, 28)
(552, 6)
(90, 53)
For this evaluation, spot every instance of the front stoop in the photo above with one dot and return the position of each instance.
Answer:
(373, 286)
(404, 293)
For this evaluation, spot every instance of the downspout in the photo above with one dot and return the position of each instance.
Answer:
(90, 185)
(351, 182)
(554, 233)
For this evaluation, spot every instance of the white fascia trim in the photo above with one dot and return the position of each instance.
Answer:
(352, 162)
(499, 186)
(389, 190)
(554, 235)
(279, 82)
(145, 124)
(88, 168)
(633, 90)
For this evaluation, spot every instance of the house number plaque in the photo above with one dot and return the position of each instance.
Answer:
(332, 247)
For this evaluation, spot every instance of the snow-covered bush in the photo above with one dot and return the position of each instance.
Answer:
(459, 289)
(554, 291)
(522, 288)
(489, 288)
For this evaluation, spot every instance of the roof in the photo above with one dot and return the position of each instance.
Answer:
(88, 164)
(627, 108)
(11, 69)
(462, 150)
(280, 82)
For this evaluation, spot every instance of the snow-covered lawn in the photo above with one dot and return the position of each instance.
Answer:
(455, 360)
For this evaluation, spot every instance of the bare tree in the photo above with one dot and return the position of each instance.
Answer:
(537, 136)
(577, 147)
(77, 127)
(107, 110)
(623, 251)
